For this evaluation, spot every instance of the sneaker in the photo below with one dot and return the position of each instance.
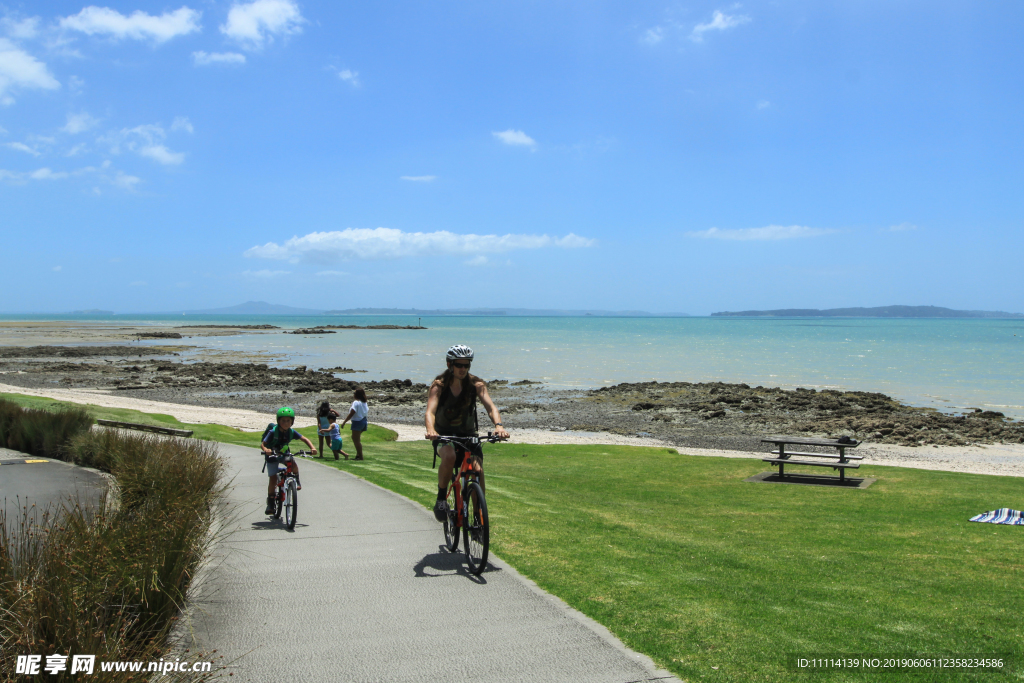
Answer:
(441, 509)
(270, 507)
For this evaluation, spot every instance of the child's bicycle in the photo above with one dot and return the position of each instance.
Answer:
(467, 507)
(287, 499)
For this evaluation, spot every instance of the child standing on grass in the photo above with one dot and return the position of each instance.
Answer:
(333, 433)
(358, 414)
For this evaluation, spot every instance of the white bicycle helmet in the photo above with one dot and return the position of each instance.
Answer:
(459, 351)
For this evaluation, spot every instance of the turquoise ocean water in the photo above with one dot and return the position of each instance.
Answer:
(945, 364)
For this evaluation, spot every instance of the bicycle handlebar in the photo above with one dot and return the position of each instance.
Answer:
(465, 440)
(472, 440)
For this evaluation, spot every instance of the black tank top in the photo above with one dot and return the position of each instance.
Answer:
(456, 415)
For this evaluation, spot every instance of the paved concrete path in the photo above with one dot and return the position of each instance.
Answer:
(363, 590)
(27, 480)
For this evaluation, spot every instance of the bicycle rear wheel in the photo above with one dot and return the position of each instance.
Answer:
(476, 529)
(451, 523)
(291, 503)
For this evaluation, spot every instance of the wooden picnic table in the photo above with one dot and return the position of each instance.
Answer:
(145, 428)
(837, 461)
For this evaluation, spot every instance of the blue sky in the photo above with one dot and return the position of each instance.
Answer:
(663, 156)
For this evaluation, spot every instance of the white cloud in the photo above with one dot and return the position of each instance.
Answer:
(902, 227)
(653, 36)
(515, 137)
(265, 274)
(78, 123)
(101, 172)
(389, 243)
(161, 154)
(763, 104)
(350, 76)
(3, 131)
(420, 178)
(138, 26)
(77, 149)
(47, 174)
(182, 123)
(56, 269)
(771, 232)
(147, 140)
(19, 69)
(719, 22)
(201, 58)
(22, 147)
(24, 29)
(480, 260)
(125, 181)
(254, 23)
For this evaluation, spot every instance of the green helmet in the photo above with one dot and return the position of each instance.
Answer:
(286, 412)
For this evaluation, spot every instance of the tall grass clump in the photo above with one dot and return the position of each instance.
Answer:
(41, 432)
(110, 580)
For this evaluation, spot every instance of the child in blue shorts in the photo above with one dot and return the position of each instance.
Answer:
(333, 433)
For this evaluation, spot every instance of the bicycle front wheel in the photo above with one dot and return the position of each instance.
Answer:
(291, 503)
(476, 530)
(451, 522)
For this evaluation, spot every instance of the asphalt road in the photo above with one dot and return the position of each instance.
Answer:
(44, 482)
(363, 590)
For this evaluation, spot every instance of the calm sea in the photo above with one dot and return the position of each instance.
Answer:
(945, 364)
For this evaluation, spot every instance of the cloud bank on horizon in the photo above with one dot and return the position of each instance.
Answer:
(376, 244)
(683, 142)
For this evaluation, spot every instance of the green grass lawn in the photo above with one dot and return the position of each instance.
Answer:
(718, 579)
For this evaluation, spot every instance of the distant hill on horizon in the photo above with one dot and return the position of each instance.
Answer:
(256, 308)
(876, 312)
(264, 308)
(505, 312)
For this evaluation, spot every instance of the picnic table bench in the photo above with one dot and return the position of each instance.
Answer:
(837, 461)
(145, 428)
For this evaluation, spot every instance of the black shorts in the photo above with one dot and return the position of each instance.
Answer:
(460, 451)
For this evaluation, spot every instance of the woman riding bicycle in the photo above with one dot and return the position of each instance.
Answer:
(451, 411)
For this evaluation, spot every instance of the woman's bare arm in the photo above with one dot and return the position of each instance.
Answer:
(492, 410)
(433, 398)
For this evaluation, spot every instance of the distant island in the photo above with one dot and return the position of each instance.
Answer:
(255, 308)
(264, 308)
(876, 312)
(504, 312)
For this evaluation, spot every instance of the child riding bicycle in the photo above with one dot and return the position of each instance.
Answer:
(276, 440)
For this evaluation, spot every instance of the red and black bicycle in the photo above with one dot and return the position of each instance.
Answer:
(286, 500)
(467, 506)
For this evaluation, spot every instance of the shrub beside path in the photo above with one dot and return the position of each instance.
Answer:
(363, 590)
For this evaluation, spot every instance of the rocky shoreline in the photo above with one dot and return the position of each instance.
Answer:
(700, 415)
